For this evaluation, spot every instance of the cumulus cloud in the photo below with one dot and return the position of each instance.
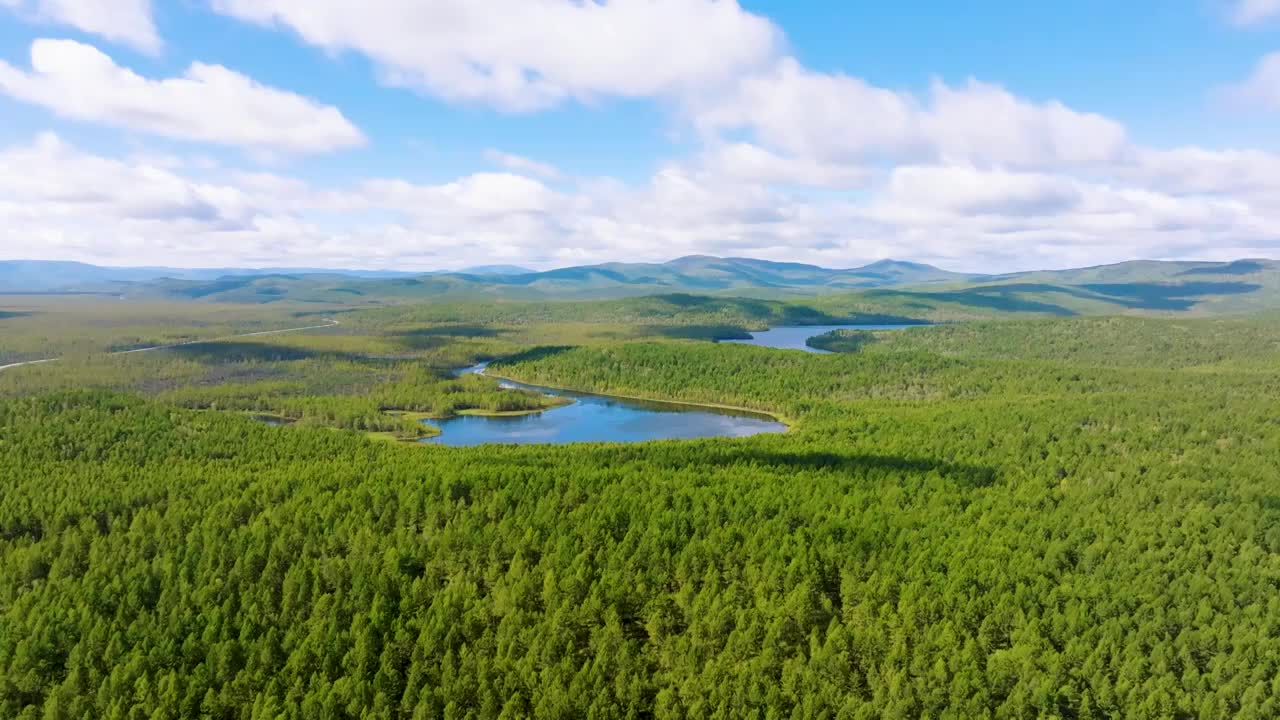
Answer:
(793, 164)
(128, 22)
(1035, 201)
(209, 103)
(1262, 88)
(522, 55)
(522, 165)
(57, 201)
(969, 191)
(1251, 12)
(837, 126)
(478, 196)
(1248, 174)
(979, 122)
(838, 118)
(751, 163)
(1029, 219)
(60, 202)
(814, 115)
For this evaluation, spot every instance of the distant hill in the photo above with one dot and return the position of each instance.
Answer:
(52, 276)
(42, 275)
(694, 274)
(1137, 288)
(496, 270)
(688, 274)
(888, 287)
(701, 274)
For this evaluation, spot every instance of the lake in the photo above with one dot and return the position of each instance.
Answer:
(794, 337)
(600, 418)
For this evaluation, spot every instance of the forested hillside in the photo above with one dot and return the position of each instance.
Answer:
(1249, 341)
(882, 288)
(1060, 518)
(32, 328)
(697, 273)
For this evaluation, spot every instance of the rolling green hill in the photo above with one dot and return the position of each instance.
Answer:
(49, 276)
(893, 288)
(694, 274)
(1137, 288)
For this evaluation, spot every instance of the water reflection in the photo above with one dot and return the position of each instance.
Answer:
(599, 418)
(795, 337)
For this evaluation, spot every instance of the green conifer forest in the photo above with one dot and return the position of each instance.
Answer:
(1053, 518)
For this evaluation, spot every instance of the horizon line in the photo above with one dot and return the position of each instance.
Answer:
(472, 270)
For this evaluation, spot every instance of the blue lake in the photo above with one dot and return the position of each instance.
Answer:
(600, 418)
(794, 337)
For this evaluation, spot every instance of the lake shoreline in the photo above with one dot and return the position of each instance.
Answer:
(797, 337)
(788, 423)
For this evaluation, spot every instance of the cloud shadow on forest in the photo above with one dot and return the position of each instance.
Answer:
(973, 476)
(1239, 267)
(1012, 297)
(222, 351)
(694, 332)
(1002, 298)
(435, 337)
(1160, 296)
(535, 354)
(776, 458)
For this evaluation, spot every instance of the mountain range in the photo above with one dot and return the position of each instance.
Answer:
(887, 286)
(688, 274)
(27, 276)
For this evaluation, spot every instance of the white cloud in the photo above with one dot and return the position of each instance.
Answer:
(521, 55)
(522, 165)
(1251, 12)
(969, 191)
(825, 130)
(1249, 174)
(1028, 220)
(814, 115)
(794, 164)
(51, 190)
(837, 118)
(1262, 88)
(60, 202)
(745, 162)
(985, 123)
(209, 103)
(128, 22)
(479, 196)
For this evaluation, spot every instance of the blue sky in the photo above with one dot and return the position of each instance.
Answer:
(445, 133)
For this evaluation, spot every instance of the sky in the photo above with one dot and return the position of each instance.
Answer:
(991, 135)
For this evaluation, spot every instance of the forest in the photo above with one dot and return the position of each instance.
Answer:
(1072, 517)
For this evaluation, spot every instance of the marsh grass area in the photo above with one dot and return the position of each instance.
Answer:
(376, 380)
(1059, 517)
(381, 372)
